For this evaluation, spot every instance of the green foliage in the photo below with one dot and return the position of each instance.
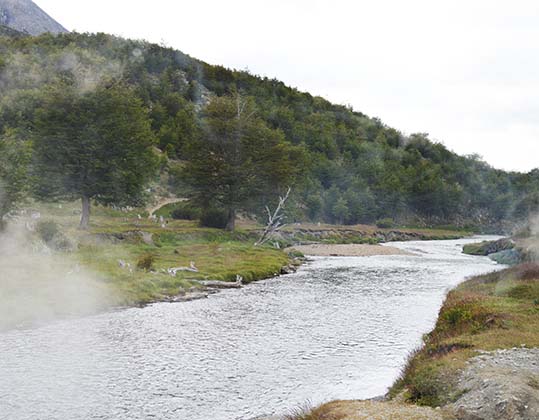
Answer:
(14, 159)
(359, 169)
(47, 230)
(386, 223)
(214, 218)
(96, 145)
(186, 211)
(238, 160)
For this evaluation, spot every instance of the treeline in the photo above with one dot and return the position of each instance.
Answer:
(353, 168)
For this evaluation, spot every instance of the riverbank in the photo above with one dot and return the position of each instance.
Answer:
(129, 259)
(480, 361)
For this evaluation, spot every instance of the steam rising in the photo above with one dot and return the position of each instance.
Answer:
(534, 225)
(37, 286)
(85, 68)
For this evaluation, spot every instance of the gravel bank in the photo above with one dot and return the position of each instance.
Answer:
(348, 250)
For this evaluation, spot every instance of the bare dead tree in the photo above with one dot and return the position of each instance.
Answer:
(275, 220)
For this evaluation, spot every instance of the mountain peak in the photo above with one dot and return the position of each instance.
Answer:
(26, 16)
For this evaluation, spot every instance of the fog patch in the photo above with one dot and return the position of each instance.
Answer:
(86, 69)
(39, 285)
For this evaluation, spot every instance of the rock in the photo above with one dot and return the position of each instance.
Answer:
(26, 17)
(190, 296)
(288, 269)
(489, 247)
(501, 385)
(216, 284)
(507, 257)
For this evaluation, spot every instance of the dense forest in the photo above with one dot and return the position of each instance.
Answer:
(350, 168)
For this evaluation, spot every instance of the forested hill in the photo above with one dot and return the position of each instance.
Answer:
(359, 170)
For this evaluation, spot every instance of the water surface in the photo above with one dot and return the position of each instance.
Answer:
(339, 328)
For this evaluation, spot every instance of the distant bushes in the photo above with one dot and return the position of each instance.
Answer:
(185, 211)
(180, 211)
(47, 230)
(385, 223)
(50, 233)
(214, 218)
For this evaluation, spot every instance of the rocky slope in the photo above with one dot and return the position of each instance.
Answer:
(25, 16)
(489, 394)
(7, 31)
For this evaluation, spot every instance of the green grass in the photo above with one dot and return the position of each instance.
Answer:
(495, 311)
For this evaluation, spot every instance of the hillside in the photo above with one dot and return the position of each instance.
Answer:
(359, 169)
(25, 16)
(7, 31)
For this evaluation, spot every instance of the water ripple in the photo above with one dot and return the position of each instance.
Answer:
(339, 328)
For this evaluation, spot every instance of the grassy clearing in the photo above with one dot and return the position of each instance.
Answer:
(495, 311)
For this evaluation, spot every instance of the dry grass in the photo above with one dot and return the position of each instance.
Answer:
(367, 410)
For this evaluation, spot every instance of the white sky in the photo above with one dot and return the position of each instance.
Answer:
(467, 72)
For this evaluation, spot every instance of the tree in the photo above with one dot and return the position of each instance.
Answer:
(93, 146)
(238, 161)
(340, 211)
(14, 159)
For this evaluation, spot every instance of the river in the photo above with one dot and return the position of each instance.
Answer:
(340, 328)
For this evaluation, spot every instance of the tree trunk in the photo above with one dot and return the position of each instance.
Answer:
(85, 217)
(231, 224)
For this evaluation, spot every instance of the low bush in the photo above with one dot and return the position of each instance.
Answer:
(464, 314)
(146, 262)
(214, 218)
(527, 271)
(47, 230)
(50, 233)
(185, 211)
(386, 223)
(429, 386)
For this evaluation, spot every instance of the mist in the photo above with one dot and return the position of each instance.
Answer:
(38, 286)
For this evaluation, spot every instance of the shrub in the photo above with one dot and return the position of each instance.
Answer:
(524, 291)
(185, 211)
(308, 413)
(214, 218)
(527, 271)
(47, 230)
(145, 262)
(428, 386)
(386, 223)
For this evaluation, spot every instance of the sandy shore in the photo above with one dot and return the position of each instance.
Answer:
(348, 250)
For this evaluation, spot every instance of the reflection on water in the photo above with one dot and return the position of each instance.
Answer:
(339, 328)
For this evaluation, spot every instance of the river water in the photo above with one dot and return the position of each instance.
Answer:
(339, 328)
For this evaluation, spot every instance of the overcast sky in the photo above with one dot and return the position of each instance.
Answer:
(467, 72)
